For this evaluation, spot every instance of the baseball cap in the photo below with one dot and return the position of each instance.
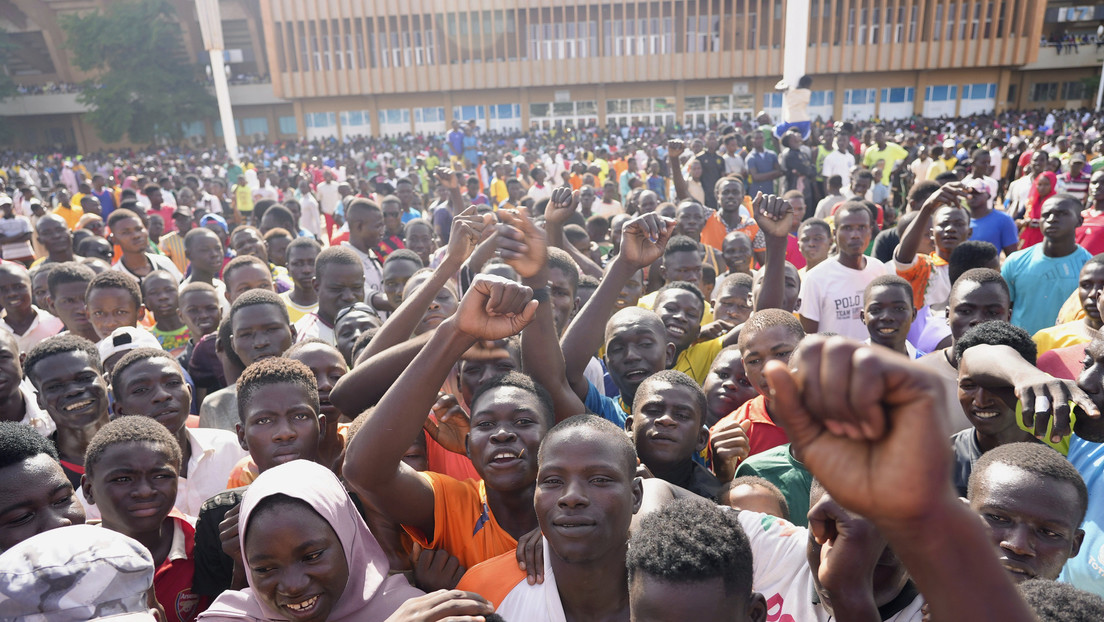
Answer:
(5, 199)
(949, 143)
(1077, 157)
(76, 573)
(125, 339)
(978, 185)
(181, 210)
(217, 219)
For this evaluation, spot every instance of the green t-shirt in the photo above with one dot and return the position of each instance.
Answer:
(173, 342)
(778, 467)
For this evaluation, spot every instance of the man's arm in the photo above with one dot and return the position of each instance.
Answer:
(371, 375)
(494, 308)
(920, 226)
(867, 425)
(775, 219)
(560, 207)
(674, 150)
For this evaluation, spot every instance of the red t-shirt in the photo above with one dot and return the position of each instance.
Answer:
(172, 581)
(763, 434)
(1090, 234)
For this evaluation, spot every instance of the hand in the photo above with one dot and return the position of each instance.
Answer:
(867, 424)
(449, 425)
(561, 206)
(228, 534)
(948, 194)
(447, 177)
(850, 547)
(1057, 393)
(730, 446)
(530, 556)
(521, 243)
(443, 606)
(495, 308)
(773, 214)
(675, 148)
(435, 569)
(468, 227)
(643, 239)
(715, 329)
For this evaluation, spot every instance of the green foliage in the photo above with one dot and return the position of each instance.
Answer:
(144, 86)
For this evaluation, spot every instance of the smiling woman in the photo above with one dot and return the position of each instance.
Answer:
(301, 529)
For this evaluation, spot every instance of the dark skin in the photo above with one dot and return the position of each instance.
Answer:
(300, 266)
(55, 236)
(156, 388)
(853, 229)
(12, 403)
(328, 367)
(35, 496)
(72, 391)
(1059, 220)
(204, 254)
(133, 238)
(888, 314)
(161, 297)
(15, 298)
(666, 427)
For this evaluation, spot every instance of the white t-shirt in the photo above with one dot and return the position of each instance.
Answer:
(16, 225)
(328, 196)
(781, 571)
(535, 603)
(159, 262)
(838, 163)
(832, 294)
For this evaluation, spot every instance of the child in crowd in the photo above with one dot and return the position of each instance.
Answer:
(160, 291)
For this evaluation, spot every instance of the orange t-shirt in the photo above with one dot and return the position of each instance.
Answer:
(441, 460)
(494, 578)
(714, 232)
(764, 433)
(462, 521)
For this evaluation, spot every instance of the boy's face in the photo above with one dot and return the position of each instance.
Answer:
(774, 343)
(888, 315)
(280, 424)
(666, 426)
(683, 266)
(328, 367)
(1032, 520)
(15, 290)
(112, 307)
(249, 242)
(631, 291)
(681, 313)
(1089, 286)
(991, 409)
(160, 295)
(277, 250)
(444, 304)
(419, 239)
(736, 251)
(134, 485)
(300, 265)
(54, 235)
(507, 426)
(814, 243)
(245, 278)
(338, 286)
(853, 232)
(732, 302)
(950, 227)
(131, 235)
(395, 275)
(40, 289)
(68, 303)
(35, 496)
(205, 252)
(11, 372)
(727, 386)
(564, 301)
(154, 387)
(260, 332)
(636, 347)
(972, 303)
(481, 363)
(350, 328)
(200, 312)
(1059, 219)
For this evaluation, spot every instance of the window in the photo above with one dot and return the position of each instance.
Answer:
(898, 95)
(855, 97)
(694, 104)
(1073, 90)
(430, 114)
(564, 40)
(255, 125)
(506, 111)
(394, 116)
(287, 125)
(772, 100)
(194, 129)
(980, 91)
(468, 113)
(320, 119)
(822, 98)
(941, 93)
(1044, 91)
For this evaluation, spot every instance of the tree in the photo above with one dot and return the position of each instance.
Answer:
(143, 88)
(7, 84)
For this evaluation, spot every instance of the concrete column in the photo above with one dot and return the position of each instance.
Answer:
(795, 44)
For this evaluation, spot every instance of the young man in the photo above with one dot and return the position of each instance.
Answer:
(302, 298)
(732, 217)
(114, 300)
(397, 270)
(36, 494)
(831, 293)
(130, 234)
(67, 284)
(328, 367)
(160, 291)
(201, 313)
(66, 373)
(682, 261)
(732, 298)
(150, 383)
(888, 314)
(814, 242)
(204, 252)
(736, 253)
(1041, 277)
(247, 240)
(942, 218)
(22, 318)
(366, 228)
(15, 234)
(55, 237)
(987, 224)
(883, 151)
(133, 467)
(244, 274)
(339, 283)
(509, 416)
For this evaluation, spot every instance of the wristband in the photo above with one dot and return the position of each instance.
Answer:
(542, 294)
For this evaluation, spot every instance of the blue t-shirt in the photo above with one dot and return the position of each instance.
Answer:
(1041, 284)
(1086, 571)
(605, 407)
(996, 228)
(761, 162)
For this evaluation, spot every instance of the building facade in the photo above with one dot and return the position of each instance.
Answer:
(341, 68)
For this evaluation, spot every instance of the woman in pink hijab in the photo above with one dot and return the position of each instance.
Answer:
(1045, 186)
(308, 555)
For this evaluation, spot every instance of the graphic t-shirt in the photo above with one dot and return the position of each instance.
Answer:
(832, 294)
(175, 341)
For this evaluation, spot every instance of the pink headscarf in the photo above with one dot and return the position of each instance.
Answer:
(369, 596)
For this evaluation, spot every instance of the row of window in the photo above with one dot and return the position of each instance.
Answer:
(1048, 91)
(635, 29)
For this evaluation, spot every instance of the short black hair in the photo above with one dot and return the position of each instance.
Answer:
(258, 297)
(362, 342)
(336, 256)
(818, 222)
(196, 233)
(681, 244)
(68, 272)
(135, 356)
(121, 213)
(59, 344)
(282, 213)
(362, 204)
(558, 258)
(888, 280)
(588, 282)
(758, 482)
(998, 333)
(223, 343)
(198, 286)
(969, 255)
(19, 442)
(1054, 601)
(767, 318)
(676, 378)
(689, 541)
(855, 205)
(596, 425)
(1038, 459)
(115, 279)
(982, 276)
(275, 370)
(684, 285)
(130, 429)
(403, 254)
(521, 381)
(304, 241)
(921, 191)
(241, 261)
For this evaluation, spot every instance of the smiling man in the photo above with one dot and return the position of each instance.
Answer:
(888, 314)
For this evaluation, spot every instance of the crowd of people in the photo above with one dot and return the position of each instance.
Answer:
(796, 371)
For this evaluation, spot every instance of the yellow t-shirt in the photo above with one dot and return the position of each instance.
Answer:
(648, 302)
(296, 311)
(243, 195)
(498, 192)
(1062, 335)
(696, 360)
